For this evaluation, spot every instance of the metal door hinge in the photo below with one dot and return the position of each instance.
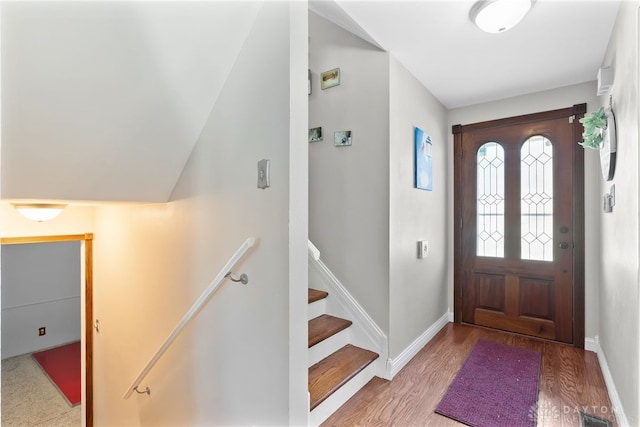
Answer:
(572, 118)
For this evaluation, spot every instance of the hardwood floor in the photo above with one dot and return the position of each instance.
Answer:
(570, 382)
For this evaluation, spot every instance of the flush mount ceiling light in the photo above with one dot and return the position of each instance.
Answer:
(39, 211)
(498, 16)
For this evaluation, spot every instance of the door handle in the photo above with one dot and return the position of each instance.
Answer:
(563, 245)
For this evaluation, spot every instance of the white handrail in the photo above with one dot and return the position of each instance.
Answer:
(195, 309)
(313, 251)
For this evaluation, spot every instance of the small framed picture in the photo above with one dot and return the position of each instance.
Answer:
(342, 138)
(330, 78)
(315, 134)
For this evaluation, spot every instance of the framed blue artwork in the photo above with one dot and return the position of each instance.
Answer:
(423, 161)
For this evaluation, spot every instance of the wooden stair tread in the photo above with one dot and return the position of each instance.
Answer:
(332, 372)
(316, 295)
(325, 326)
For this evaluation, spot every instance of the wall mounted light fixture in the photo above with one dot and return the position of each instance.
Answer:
(498, 16)
(39, 211)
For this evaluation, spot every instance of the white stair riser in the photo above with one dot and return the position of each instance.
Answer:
(364, 332)
(328, 346)
(316, 309)
(339, 398)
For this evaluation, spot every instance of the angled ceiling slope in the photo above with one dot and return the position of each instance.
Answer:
(104, 101)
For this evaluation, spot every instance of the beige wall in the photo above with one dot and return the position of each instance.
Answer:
(232, 365)
(619, 314)
(349, 186)
(365, 215)
(418, 288)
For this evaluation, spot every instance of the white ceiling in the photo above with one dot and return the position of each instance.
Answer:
(558, 43)
(105, 100)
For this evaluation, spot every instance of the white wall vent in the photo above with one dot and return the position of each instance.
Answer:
(605, 80)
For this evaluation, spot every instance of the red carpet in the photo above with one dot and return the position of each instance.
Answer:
(62, 365)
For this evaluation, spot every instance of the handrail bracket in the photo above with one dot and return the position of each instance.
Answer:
(147, 390)
(244, 279)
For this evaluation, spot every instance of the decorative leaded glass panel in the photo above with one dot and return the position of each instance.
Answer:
(536, 193)
(490, 200)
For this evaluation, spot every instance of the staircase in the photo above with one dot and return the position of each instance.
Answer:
(338, 368)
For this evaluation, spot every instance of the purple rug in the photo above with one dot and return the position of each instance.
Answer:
(497, 386)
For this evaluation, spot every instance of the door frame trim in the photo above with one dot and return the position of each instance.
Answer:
(87, 239)
(578, 111)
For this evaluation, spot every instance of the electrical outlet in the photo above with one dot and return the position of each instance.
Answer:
(42, 331)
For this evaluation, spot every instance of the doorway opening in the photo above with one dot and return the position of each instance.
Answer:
(86, 254)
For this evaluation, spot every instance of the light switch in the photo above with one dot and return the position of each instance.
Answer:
(609, 200)
(263, 174)
(423, 249)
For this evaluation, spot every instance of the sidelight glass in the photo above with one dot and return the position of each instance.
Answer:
(536, 194)
(490, 200)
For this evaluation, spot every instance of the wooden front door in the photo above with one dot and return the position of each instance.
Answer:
(519, 230)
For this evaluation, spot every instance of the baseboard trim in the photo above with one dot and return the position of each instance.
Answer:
(395, 365)
(593, 344)
(590, 345)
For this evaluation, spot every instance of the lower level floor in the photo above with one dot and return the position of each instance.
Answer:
(30, 399)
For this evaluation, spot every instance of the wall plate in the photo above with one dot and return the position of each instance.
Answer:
(263, 174)
(423, 249)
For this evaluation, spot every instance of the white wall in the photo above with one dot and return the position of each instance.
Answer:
(40, 288)
(232, 366)
(349, 186)
(418, 288)
(619, 318)
(298, 216)
(104, 100)
(526, 104)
